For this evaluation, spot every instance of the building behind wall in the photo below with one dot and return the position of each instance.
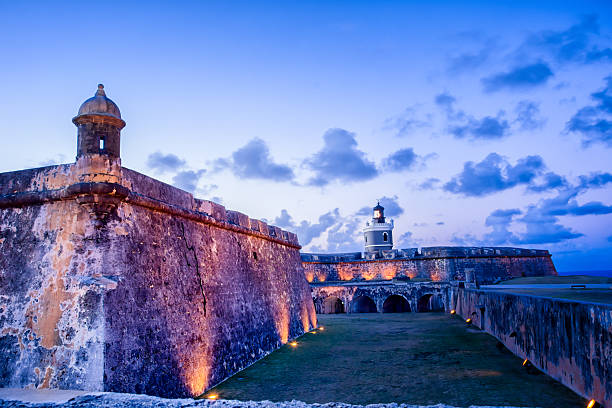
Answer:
(111, 280)
(382, 271)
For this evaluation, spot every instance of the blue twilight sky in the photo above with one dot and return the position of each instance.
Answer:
(474, 123)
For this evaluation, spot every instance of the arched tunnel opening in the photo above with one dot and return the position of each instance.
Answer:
(333, 305)
(363, 304)
(396, 304)
(430, 303)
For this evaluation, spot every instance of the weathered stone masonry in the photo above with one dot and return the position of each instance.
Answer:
(569, 340)
(111, 280)
(482, 265)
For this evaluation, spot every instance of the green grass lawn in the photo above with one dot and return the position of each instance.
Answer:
(567, 279)
(424, 358)
(585, 295)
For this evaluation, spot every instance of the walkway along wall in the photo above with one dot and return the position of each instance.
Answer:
(569, 340)
(111, 280)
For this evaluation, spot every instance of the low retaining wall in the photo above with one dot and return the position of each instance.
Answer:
(569, 340)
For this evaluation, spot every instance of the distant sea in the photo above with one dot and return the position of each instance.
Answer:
(590, 273)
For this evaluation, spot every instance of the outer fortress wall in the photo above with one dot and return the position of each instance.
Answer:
(131, 285)
(483, 265)
(568, 340)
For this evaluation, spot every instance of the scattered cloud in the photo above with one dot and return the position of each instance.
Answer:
(340, 160)
(187, 180)
(391, 205)
(528, 116)
(469, 61)
(429, 184)
(253, 161)
(594, 122)
(57, 159)
(541, 221)
(575, 44)
(549, 181)
(521, 77)
(403, 159)
(494, 174)
(464, 125)
(306, 231)
(408, 122)
(162, 163)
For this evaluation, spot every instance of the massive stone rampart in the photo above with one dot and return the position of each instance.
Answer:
(111, 280)
(569, 340)
(482, 265)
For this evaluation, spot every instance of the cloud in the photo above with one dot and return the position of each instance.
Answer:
(344, 237)
(469, 61)
(340, 160)
(494, 174)
(407, 122)
(187, 180)
(594, 122)
(391, 205)
(488, 127)
(162, 163)
(522, 77)
(253, 161)
(528, 116)
(429, 184)
(463, 125)
(403, 159)
(306, 231)
(499, 220)
(575, 44)
(541, 221)
(549, 181)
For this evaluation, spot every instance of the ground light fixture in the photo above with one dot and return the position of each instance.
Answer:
(525, 362)
(293, 344)
(212, 396)
(593, 404)
(468, 320)
(321, 328)
(453, 311)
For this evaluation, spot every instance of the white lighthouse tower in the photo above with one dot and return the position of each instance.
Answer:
(378, 234)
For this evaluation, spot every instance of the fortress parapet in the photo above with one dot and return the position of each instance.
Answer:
(111, 280)
(476, 264)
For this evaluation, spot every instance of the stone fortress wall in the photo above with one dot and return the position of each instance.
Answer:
(568, 340)
(480, 264)
(111, 280)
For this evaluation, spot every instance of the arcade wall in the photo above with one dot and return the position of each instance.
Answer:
(568, 340)
(437, 267)
(135, 286)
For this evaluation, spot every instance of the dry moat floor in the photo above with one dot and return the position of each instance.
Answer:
(424, 358)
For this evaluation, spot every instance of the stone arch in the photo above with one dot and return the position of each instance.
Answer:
(363, 304)
(430, 303)
(332, 305)
(396, 304)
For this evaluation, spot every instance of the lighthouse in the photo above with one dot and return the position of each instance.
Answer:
(378, 233)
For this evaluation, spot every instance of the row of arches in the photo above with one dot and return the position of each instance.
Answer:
(392, 304)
